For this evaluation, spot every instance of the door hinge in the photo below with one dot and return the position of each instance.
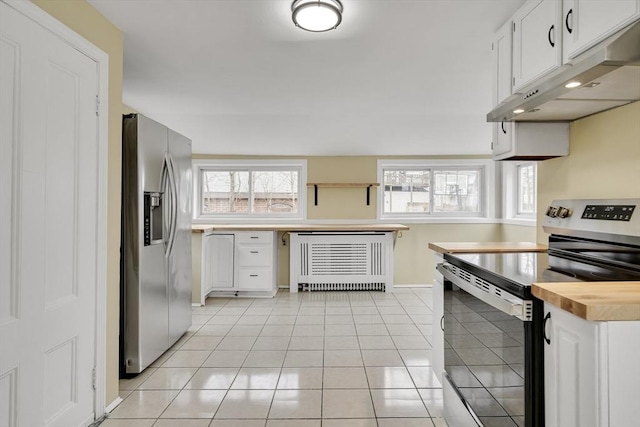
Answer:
(93, 378)
(97, 105)
(514, 27)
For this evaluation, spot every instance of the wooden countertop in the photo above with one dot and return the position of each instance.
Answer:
(597, 301)
(478, 247)
(200, 228)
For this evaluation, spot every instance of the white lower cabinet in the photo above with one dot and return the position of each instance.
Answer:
(592, 374)
(438, 320)
(243, 262)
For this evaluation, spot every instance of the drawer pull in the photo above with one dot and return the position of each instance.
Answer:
(255, 237)
(254, 252)
(253, 275)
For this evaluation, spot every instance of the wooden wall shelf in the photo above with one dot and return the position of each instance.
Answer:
(366, 185)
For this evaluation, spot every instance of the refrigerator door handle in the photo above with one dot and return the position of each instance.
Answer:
(173, 189)
(167, 211)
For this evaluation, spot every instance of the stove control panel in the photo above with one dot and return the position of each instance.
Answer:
(609, 212)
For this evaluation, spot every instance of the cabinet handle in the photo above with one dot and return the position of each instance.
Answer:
(566, 21)
(254, 252)
(549, 36)
(442, 323)
(253, 275)
(254, 237)
(544, 328)
(503, 129)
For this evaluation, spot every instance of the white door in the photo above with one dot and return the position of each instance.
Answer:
(48, 227)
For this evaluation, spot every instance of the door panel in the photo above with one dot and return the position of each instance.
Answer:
(220, 261)
(180, 258)
(49, 136)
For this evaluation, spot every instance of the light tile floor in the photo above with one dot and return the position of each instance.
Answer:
(335, 359)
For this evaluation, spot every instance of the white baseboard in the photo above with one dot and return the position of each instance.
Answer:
(196, 304)
(415, 285)
(113, 405)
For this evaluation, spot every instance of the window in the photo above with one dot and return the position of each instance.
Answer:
(257, 189)
(520, 191)
(526, 189)
(432, 188)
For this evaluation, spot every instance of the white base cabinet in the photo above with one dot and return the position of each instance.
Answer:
(592, 374)
(438, 320)
(239, 262)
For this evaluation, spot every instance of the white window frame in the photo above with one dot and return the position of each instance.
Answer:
(511, 178)
(486, 197)
(201, 165)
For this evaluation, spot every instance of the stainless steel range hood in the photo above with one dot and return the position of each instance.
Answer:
(610, 77)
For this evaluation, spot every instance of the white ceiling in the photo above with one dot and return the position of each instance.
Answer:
(397, 77)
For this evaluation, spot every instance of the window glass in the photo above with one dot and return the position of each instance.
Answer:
(275, 191)
(225, 192)
(526, 189)
(406, 191)
(456, 191)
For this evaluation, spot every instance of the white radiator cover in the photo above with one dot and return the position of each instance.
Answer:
(344, 261)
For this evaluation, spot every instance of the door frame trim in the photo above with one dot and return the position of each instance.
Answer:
(101, 58)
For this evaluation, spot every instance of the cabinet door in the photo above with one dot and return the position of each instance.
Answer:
(571, 370)
(501, 52)
(502, 137)
(537, 40)
(586, 22)
(219, 258)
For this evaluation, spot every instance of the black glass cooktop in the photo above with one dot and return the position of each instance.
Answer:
(513, 272)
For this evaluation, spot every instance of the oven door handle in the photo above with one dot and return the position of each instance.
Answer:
(510, 305)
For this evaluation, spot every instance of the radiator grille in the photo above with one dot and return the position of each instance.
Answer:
(342, 262)
(338, 258)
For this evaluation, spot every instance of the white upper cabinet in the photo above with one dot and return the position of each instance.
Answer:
(501, 53)
(530, 141)
(537, 41)
(587, 22)
(502, 139)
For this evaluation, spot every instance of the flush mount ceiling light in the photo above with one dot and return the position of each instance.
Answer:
(316, 15)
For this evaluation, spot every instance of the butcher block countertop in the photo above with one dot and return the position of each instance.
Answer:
(200, 228)
(597, 301)
(478, 247)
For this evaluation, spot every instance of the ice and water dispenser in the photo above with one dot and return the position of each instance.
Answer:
(152, 218)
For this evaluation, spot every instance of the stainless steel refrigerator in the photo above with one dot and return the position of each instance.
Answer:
(155, 273)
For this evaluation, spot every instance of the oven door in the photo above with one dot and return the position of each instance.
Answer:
(493, 368)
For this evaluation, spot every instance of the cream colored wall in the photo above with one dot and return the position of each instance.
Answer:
(341, 203)
(604, 161)
(517, 233)
(89, 23)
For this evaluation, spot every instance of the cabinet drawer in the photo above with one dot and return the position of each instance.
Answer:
(254, 237)
(259, 279)
(255, 255)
